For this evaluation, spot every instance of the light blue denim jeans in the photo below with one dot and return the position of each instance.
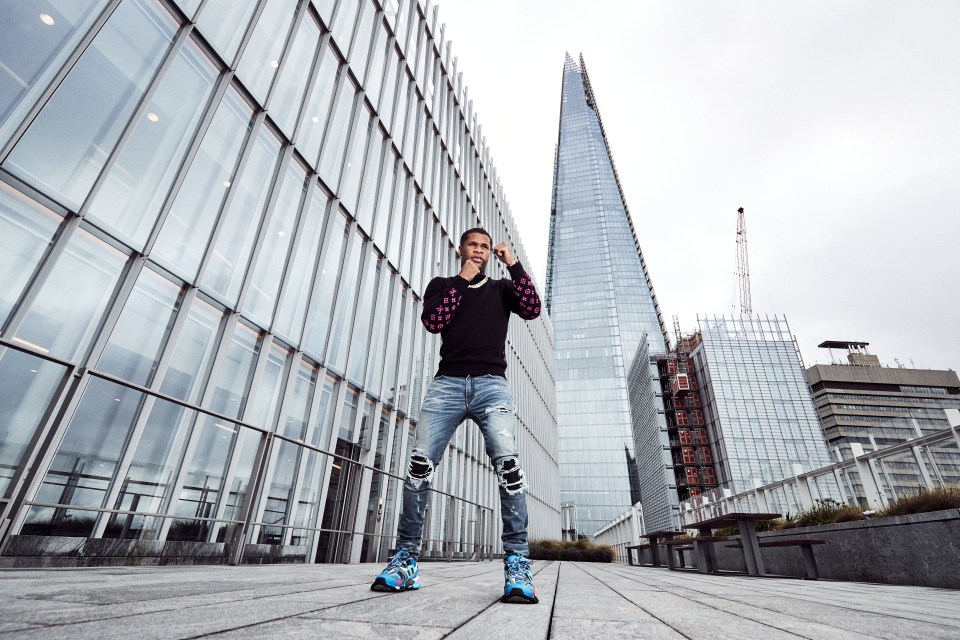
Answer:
(449, 401)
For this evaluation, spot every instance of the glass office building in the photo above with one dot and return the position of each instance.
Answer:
(602, 306)
(756, 404)
(217, 218)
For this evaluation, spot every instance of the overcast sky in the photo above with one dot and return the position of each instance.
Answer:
(835, 124)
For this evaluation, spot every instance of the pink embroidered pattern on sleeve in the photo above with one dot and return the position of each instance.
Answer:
(441, 316)
(527, 298)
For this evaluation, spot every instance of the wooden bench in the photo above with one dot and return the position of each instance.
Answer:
(639, 548)
(809, 562)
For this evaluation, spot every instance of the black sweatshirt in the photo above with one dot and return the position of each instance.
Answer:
(472, 319)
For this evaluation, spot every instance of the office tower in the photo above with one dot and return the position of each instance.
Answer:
(602, 307)
(759, 417)
(217, 220)
(861, 403)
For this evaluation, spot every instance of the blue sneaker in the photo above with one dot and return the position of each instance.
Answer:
(518, 580)
(401, 574)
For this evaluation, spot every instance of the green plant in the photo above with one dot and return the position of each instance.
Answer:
(824, 511)
(582, 550)
(923, 501)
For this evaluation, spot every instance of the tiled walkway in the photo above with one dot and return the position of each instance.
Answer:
(578, 600)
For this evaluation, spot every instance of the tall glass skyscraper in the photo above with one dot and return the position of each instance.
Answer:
(602, 306)
(217, 219)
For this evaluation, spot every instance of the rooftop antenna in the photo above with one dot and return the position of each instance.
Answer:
(743, 266)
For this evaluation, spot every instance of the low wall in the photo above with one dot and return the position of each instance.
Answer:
(66, 551)
(921, 550)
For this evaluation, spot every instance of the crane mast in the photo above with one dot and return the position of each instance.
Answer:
(743, 265)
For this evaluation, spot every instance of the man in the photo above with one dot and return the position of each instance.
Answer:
(470, 312)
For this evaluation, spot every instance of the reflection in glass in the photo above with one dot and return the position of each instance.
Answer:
(261, 293)
(318, 321)
(261, 56)
(26, 231)
(192, 352)
(186, 229)
(32, 49)
(66, 146)
(296, 286)
(288, 94)
(277, 502)
(29, 385)
(223, 23)
(262, 407)
(346, 299)
(66, 313)
(136, 185)
(134, 346)
(227, 263)
(86, 460)
(230, 393)
(295, 425)
(318, 106)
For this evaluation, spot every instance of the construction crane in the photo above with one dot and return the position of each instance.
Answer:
(743, 266)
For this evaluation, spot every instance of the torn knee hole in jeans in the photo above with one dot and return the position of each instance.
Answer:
(503, 409)
(511, 476)
(421, 469)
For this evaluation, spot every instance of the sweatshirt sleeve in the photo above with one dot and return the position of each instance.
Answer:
(440, 302)
(524, 297)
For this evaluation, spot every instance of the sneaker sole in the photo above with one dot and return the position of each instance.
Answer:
(517, 596)
(381, 585)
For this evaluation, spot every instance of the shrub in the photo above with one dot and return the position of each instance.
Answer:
(923, 501)
(581, 550)
(824, 511)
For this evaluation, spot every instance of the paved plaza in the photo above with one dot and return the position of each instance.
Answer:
(458, 600)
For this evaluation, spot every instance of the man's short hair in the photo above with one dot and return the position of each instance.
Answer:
(466, 234)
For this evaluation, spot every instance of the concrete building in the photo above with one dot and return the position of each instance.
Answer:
(217, 220)
(863, 406)
(603, 308)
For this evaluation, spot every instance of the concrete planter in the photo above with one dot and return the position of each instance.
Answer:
(921, 550)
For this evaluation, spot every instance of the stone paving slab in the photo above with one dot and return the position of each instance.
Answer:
(458, 600)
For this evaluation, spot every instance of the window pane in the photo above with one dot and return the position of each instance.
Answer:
(360, 338)
(360, 50)
(223, 23)
(343, 23)
(262, 406)
(331, 157)
(29, 385)
(261, 57)
(191, 353)
(277, 506)
(295, 426)
(346, 299)
(375, 75)
(392, 349)
(134, 346)
(229, 256)
(26, 230)
(66, 146)
(35, 40)
(288, 95)
(130, 197)
(318, 107)
(322, 308)
(232, 384)
(186, 229)
(88, 455)
(66, 313)
(297, 284)
(261, 293)
(378, 333)
(353, 167)
(371, 181)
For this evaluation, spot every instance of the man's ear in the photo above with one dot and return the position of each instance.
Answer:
(458, 253)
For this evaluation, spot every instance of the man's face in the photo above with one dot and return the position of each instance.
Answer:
(476, 248)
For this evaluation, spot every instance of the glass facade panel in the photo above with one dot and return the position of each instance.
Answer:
(261, 56)
(228, 257)
(68, 308)
(35, 40)
(224, 22)
(66, 146)
(265, 399)
(317, 108)
(135, 342)
(192, 352)
(26, 231)
(264, 283)
(287, 97)
(343, 318)
(360, 336)
(318, 322)
(136, 184)
(331, 156)
(187, 228)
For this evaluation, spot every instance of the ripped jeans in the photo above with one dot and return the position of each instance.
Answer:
(449, 401)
